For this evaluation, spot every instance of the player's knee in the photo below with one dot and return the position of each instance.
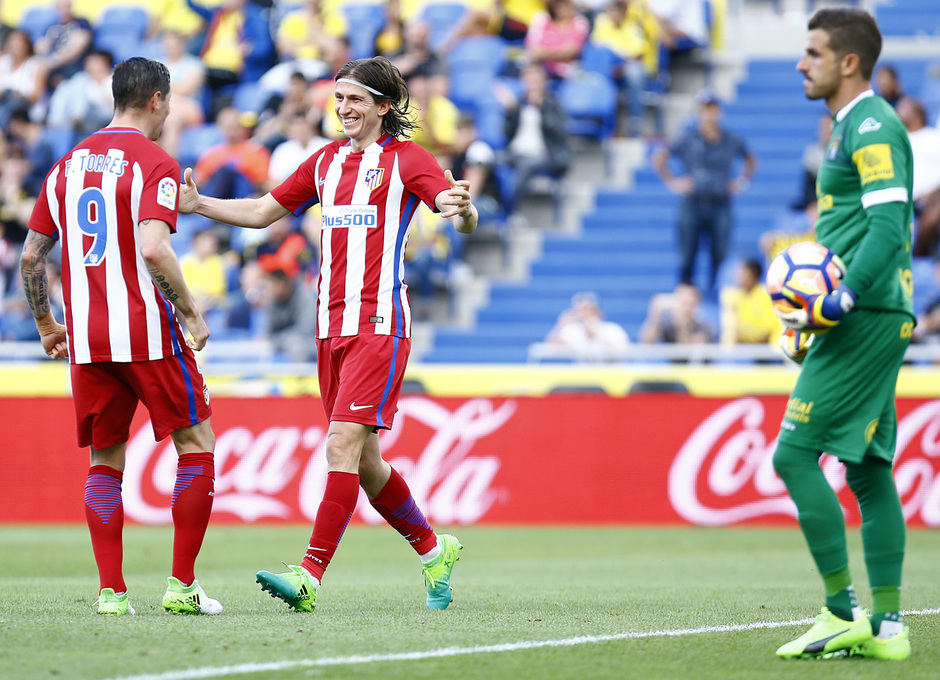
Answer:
(790, 460)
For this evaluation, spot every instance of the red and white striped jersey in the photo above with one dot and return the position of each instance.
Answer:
(368, 200)
(94, 198)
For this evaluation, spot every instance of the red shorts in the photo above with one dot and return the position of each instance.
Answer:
(106, 395)
(361, 376)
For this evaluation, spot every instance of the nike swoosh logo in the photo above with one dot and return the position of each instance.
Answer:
(820, 645)
(353, 407)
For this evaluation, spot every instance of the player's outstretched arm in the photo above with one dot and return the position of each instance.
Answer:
(165, 270)
(253, 213)
(36, 288)
(455, 204)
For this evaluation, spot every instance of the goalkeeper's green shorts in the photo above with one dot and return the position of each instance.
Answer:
(843, 401)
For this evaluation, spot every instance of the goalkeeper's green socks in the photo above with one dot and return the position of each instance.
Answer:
(840, 595)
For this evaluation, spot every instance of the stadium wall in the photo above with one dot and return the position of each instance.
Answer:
(521, 449)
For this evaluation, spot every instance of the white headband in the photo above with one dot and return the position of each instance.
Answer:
(362, 85)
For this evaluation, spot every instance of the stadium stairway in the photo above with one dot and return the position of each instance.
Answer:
(623, 246)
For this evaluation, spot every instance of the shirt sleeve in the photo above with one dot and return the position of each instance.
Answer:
(880, 158)
(159, 198)
(299, 191)
(422, 175)
(41, 218)
(881, 163)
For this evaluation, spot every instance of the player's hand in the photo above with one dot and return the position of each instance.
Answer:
(189, 194)
(795, 345)
(53, 338)
(816, 311)
(457, 198)
(198, 330)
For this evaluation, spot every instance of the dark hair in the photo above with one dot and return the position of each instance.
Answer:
(21, 114)
(104, 54)
(918, 109)
(851, 31)
(381, 75)
(29, 40)
(755, 267)
(136, 80)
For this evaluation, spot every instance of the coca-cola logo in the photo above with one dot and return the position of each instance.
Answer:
(723, 473)
(257, 470)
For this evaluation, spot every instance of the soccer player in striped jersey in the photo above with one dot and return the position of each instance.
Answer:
(112, 202)
(368, 187)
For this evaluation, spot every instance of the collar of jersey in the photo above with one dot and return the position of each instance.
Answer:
(381, 141)
(119, 130)
(844, 111)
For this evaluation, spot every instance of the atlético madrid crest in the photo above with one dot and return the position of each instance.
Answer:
(374, 177)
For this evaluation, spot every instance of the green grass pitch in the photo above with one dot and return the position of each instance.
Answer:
(539, 603)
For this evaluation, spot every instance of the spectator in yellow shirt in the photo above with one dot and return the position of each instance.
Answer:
(205, 271)
(304, 32)
(747, 314)
(630, 30)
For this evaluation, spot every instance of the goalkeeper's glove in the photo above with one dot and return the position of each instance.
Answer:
(816, 311)
(795, 345)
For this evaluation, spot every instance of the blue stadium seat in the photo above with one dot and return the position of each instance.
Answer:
(365, 21)
(35, 21)
(598, 59)
(121, 30)
(61, 139)
(475, 52)
(250, 96)
(442, 17)
(130, 19)
(590, 100)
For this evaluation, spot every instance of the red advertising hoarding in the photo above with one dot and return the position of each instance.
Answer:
(560, 459)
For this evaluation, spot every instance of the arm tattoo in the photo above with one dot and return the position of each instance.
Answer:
(163, 284)
(33, 271)
(160, 279)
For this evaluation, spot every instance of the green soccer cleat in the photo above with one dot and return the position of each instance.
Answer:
(180, 599)
(113, 604)
(297, 587)
(897, 648)
(437, 572)
(827, 636)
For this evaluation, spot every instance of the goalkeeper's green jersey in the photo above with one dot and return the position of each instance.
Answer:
(865, 204)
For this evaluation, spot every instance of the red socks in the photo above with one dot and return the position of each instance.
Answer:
(333, 515)
(191, 507)
(104, 513)
(399, 509)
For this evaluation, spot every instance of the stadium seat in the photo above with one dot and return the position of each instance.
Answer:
(442, 16)
(121, 31)
(60, 138)
(35, 21)
(486, 52)
(366, 20)
(598, 59)
(590, 100)
(250, 96)
(130, 19)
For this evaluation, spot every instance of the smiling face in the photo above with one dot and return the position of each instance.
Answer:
(821, 67)
(359, 114)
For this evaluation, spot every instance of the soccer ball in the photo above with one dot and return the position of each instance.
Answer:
(811, 265)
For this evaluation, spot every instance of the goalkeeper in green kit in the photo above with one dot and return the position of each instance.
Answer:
(843, 401)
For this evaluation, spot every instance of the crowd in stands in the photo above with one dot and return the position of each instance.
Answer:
(494, 81)
(252, 97)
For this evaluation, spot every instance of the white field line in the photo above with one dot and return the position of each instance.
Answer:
(248, 668)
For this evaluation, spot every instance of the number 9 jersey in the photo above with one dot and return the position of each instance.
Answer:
(93, 199)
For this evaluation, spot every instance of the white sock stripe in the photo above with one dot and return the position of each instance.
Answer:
(248, 668)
